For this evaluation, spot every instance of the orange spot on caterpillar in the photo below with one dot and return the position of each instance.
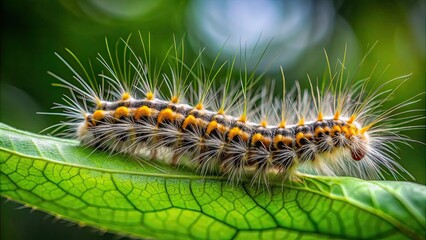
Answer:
(318, 130)
(97, 116)
(243, 118)
(336, 129)
(221, 111)
(282, 124)
(336, 115)
(121, 112)
(175, 99)
(165, 114)
(284, 140)
(212, 126)
(199, 106)
(125, 96)
(189, 120)
(263, 123)
(301, 122)
(351, 119)
(234, 132)
(215, 125)
(256, 137)
(277, 139)
(259, 137)
(150, 96)
(320, 117)
(299, 137)
(238, 132)
(327, 129)
(143, 111)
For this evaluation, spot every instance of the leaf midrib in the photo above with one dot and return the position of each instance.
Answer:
(4, 127)
(162, 175)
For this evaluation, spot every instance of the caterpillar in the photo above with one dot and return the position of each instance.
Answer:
(220, 125)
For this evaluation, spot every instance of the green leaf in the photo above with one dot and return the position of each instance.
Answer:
(134, 198)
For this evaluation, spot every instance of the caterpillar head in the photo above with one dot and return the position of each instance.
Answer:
(359, 146)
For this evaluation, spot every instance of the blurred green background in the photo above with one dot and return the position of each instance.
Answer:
(33, 30)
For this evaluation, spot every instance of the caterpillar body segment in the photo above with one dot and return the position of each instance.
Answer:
(137, 124)
(336, 127)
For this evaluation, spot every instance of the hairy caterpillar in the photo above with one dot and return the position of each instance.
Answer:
(336, 127)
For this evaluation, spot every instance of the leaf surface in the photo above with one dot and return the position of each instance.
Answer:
(132, 197)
